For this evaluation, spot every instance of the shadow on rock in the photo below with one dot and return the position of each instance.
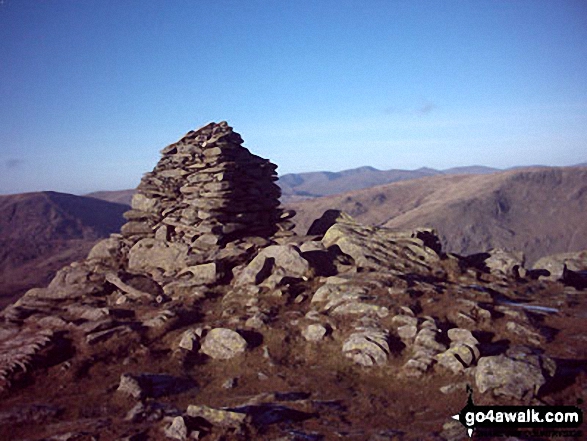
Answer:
(266, 414)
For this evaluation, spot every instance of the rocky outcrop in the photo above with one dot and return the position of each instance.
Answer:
(519, 373)
(207, 298)
(553, 266)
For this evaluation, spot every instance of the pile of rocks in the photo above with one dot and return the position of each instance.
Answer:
(207, 190)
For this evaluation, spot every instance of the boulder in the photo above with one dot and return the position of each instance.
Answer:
(367, 347)
(383, 249)
(223, 344)
(517, 374)
(204, 274)
(151, 255)
(554, 264)
(107, 250)
(505, 263)
(286, 258)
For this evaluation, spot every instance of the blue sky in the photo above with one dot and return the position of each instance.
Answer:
(91, 90)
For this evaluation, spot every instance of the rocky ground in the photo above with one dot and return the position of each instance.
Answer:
(185, 330)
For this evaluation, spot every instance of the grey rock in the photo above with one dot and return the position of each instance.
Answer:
(223, 344)
(130, 385)
(517, 377)
(189, 340)
(554, 264)
(506, 263)
(367, 347)
(382, 249)
(461, 335)
(102, 336)
(107, 250)
(149, 255)
(456, 358)
(132, 292)
(314, 332)
(150, 411)
(177, 429)
(143, 203)
(204, 274)
(335, 294)
(288, 258)
(407, 333)
(217, 417)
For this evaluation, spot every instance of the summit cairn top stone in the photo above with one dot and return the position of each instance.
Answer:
(207, 190)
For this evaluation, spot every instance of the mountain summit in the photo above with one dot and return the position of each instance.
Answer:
(208, 318)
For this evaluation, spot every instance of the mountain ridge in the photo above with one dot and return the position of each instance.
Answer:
(42, 231)
(300, 186)
(519, 210)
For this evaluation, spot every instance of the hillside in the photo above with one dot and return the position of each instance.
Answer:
(117, 196)
(540, 211)
(41, 232)
(317, 184)
(302, 186)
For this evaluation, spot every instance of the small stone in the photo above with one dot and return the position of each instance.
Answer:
(177, 429)
(299, 299)
(223, 344)
(407, 332)
(130, 386)
(454, 387)
(230, 383)
(257, 321)
(314, 332)
(189, 340)
(217, 417)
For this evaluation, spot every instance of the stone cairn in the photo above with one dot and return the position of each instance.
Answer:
(208, 190)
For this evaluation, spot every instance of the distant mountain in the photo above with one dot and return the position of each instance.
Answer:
(471, 170)
(116, 196)
(539, 211)
(316, 184)
(42, 232)
(302, 186)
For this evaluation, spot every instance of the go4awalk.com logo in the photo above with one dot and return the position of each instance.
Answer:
(544, 420)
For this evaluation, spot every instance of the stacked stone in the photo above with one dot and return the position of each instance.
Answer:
(207, 190)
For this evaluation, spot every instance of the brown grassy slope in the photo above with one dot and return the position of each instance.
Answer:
(539, 211)
(42, 232)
